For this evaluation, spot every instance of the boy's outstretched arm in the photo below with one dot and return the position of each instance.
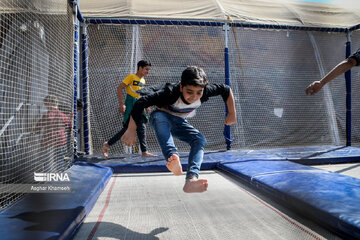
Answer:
(339, 69)
(129, 137)
(231, 117)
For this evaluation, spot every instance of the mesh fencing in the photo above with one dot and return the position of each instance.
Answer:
(36, 60)
(274, 68)
(114, 51)
(269, 71)
(355, 86)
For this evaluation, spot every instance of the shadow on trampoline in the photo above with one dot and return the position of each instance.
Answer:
(117, 231)
(50, 221)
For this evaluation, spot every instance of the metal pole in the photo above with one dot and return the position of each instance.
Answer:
(227, 129)
(76, 67)
(348, 93)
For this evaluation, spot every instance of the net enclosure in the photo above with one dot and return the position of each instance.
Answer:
(273, 55)
(36, 83)
(267, 51)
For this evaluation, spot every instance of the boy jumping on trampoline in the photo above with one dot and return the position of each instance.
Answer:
(343, 66)
(174, 103)
(132, 83)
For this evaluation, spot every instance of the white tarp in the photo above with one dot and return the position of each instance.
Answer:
(345, 13)
(34, 6)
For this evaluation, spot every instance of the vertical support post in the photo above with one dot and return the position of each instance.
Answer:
(85, 88)
(348, 93)
(227, 129)
(76, 67)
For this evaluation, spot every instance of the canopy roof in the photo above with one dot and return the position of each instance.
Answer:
(344, 14)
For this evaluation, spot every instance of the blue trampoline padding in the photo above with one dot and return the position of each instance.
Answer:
(151, 167)
(302, 155)
(305, 155)
(133, 165)
(330, 199)
(55, 215)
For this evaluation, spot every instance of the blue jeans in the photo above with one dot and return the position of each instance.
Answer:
(166, 126)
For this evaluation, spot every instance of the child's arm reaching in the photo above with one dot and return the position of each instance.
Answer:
(231, 117)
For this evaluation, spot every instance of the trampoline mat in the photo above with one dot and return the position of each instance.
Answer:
(153, 206)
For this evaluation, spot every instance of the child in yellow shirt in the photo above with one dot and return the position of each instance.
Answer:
(132, 83)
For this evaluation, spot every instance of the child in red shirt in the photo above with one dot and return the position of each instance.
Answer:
(55, 126)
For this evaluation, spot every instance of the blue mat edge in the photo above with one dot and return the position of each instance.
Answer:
(69, 227)
(335, 223)
(91, 200)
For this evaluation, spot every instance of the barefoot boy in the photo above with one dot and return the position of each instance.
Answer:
(174, 103)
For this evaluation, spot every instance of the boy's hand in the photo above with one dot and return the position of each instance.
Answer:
(314, 88)
(129, 137)
(230, 119)
(122, 108)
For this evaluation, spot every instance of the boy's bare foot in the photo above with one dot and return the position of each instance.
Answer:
(105, 149)
(195, 185)
(147, 154)
(174, 165)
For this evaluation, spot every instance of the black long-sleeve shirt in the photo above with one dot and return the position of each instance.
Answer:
(356, 56)
(169, 93)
